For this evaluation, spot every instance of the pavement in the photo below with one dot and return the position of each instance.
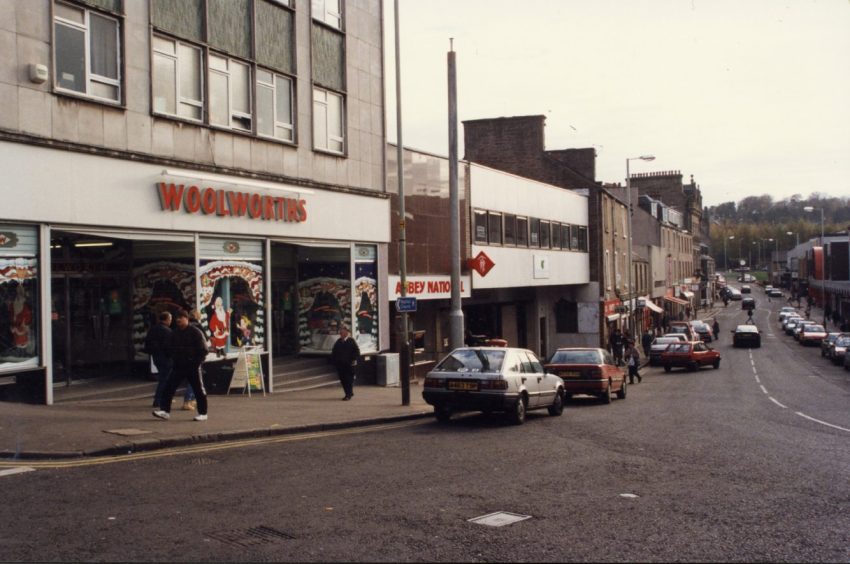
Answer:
(113, 417)
(108, 417)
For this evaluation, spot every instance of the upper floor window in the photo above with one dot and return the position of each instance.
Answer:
(480, 226)
(544, 234)
(556, 235)
(274, 106)
(177, 79)
(494, 224)
(534, 237)
(87, 52)
(328, 12)
(522, 231)
(328, 118)
(510, 229)
(230, 93)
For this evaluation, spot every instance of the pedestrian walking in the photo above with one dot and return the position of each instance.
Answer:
(189, 401)
(344, 356)
(633, 362)
(615, 342)
(715, 328)
(646, 342)
(158, 345)
(189, 349)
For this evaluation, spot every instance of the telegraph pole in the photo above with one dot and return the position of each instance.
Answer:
(404, 357)
(456, 313)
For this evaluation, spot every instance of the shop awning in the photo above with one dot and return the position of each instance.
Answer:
(613, 317)
(675, 300)
(649, 304)
(687, 294)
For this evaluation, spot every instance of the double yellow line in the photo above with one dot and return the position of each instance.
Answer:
(205, 448)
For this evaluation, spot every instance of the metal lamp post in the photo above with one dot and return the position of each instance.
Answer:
(629, 198)
(725, 256)
(823, 274)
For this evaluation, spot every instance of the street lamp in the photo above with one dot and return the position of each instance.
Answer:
(629, 199)
(822, 274)
(725, 256)
(798, 237)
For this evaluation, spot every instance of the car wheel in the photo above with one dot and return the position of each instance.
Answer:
(605, 396)
(443, 413)
(716, 364)
(517, 416)
(621, 393)
(667, 368)
(557, 407)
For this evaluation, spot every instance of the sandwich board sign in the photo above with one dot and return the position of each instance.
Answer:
(248, 372)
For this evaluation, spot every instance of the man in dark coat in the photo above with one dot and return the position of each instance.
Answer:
(615, 341)
(646, 342)
(189, 349)
(344, 356)
(158, 345)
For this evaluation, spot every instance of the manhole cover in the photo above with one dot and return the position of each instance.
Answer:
(127, 432)
(252, 536)
(499, 519)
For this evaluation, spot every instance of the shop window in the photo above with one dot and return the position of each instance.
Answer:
(510, 229)
(556, 235)
(274, 106)
(522, 231)
(177, 83)
(324, 297)
(365, 330)
(328, 131)
(480, 227)
(534, 232)
(19, 292)
(86, 52)
(494, 228)
(545, 231)
(565, 237)
(566, 317)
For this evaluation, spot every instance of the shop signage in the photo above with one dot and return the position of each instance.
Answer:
(482, 264)
(428, 287)
(611, 307)
(8, 239)
(216, 201)
(406, 304)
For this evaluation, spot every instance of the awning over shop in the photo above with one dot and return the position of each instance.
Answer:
(613, 317)
(687, 294)
(649, 304)
(675, 300)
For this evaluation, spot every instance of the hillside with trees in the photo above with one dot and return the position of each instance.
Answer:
(758, 225)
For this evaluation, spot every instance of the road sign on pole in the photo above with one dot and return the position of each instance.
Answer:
(406, 304)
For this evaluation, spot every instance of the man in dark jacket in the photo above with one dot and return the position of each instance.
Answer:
(158, 345)
(189, 349)
(344, 356)
(646, 342)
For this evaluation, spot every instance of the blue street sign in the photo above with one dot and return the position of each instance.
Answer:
(405, 305)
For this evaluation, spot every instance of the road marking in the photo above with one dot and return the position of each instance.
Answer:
(763, 389)
(757, 379)
(821, 422)
(19, 470)
(776, 402)
(755, 371)
(209, 447)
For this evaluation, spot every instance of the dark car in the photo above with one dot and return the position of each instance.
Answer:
(660, 344)
(703, 331)
(745, 289)
(690, 355)
(838, 349)
(746, 336)
(684, 328)
(748, 303)
(826, 344)
(588, 371)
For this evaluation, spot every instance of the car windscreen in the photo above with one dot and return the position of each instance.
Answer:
(576, 357)
(842, 341)
(472, 360)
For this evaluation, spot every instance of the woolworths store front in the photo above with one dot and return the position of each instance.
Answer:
(92, 248)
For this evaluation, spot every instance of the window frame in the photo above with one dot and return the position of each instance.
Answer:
(86, 29)
(325, 12)
(509, 220)
(556, 235)
(534, 232)
(292, 106)
(233, 115)
(495, 219)
(178, 99)
(521, 219)
(478, 214)
(342, 117)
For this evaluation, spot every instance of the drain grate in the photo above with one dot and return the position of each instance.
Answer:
(252, 536)
(499, 519)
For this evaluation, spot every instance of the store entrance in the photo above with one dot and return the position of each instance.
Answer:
(91, 324)
(284, 300)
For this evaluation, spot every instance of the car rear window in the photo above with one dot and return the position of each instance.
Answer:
(842, 341)
(472, 360)
(815, 329)
(747, 329)
(577, 357)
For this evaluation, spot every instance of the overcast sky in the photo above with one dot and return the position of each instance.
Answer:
(749, 96)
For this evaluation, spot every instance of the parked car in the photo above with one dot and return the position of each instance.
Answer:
(746, 335)
(509, 380)
(826, 344)
(800, 324)
(684, 328)
(690, 355)
(790, 324)
(789, 318)
(786, 311)
(748, 303)
(811, 334)
(838, 350)
(588, 371)
(775, 293)
(768, 288)
(745, 289)
(660, 344)
(703, 331)
(846, 361)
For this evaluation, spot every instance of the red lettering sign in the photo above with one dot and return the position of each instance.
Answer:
(209, 201)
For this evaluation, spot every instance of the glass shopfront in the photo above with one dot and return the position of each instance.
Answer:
(18, 297)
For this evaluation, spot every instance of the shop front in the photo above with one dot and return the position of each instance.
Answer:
(86, 267)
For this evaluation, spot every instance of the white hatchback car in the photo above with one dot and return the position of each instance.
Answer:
(489, 379)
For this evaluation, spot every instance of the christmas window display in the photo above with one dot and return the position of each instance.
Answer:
(19, 293)
(324, 304)
(365, 328)
(157, 287)
(232, 305)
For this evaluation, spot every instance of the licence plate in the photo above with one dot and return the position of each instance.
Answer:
(570, 374)
(463, 385)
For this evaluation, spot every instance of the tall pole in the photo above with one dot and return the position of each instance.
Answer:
(629, 250)
(402, 231)
(456, 313)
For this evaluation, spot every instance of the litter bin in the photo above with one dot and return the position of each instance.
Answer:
(387, 373)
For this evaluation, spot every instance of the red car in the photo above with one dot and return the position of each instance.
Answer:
(812, 334)
(690, 355)
(588, 371)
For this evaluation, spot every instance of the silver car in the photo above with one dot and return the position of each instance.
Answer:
(487, 379)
